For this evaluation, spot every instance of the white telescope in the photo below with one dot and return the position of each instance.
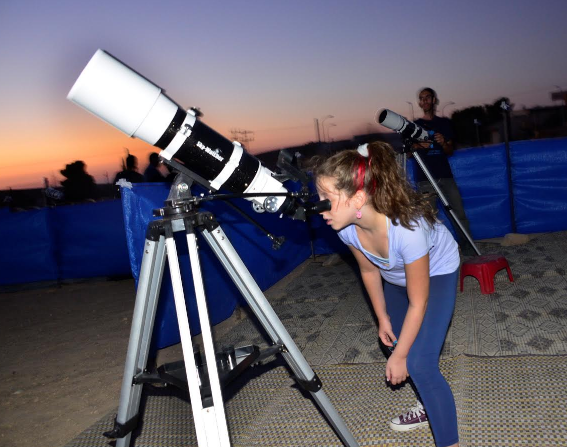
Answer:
(406, 128)
(126, 100)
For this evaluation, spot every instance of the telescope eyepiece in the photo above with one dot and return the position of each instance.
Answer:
(317, 207)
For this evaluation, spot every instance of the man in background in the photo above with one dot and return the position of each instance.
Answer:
(437, 162)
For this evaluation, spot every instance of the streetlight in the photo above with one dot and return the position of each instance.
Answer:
(562, 96)
(328, 134)
(477, 124)
(450, 103)
(323, 124)
(411, 107)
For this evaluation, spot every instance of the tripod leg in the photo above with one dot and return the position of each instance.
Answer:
(210, 422)
(231, 261)
(149, 284)
(446, 203)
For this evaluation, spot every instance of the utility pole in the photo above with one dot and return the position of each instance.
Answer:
(477, 124)
(323, 126)
(411, 108)
(317, 132)
(506, 118)
(561, 96)
(242, 136)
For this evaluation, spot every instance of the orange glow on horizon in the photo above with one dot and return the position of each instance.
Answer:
(44, 153)
(60, 139)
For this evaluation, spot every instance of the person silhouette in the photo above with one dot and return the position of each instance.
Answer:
(79, 185)
(152, 174)
(130, 174)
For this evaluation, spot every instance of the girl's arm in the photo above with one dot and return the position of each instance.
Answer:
(417, 281)
(373, 284)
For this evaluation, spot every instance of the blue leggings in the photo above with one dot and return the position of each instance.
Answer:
(423, 357)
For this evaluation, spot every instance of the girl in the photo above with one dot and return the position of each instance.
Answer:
(394, 235)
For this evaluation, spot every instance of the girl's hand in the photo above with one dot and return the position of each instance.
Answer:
(396, 369)
(385, 332)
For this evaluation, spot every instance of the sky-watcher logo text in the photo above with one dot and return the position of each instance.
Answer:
(209, 151)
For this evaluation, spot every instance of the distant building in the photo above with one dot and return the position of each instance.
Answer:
(532, 124)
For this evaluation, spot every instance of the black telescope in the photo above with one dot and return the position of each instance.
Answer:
(397, 123)
(131, 103)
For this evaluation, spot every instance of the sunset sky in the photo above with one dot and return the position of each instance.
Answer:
(267, 67)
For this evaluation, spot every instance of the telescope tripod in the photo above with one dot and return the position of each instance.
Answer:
(446, 204)
(204, 387)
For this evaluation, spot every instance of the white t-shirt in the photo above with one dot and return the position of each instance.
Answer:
(406, 246)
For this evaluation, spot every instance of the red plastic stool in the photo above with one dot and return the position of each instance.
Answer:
(483, 268)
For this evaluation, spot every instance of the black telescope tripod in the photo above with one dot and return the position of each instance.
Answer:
(182, 213)
(408, 148)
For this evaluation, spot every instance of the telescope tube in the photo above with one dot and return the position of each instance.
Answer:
(128, 101)
(398, 123)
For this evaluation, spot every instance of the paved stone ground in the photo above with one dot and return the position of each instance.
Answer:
(63, 348)
(323, 306)
(325, 309)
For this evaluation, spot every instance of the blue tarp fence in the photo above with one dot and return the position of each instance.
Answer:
(539, 187)
(66, 242)
(89, 240)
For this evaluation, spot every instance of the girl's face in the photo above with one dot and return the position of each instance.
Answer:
(343, 211)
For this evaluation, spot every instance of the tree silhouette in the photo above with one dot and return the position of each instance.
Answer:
(473, 125)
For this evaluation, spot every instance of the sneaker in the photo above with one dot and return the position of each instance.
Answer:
(414, 418)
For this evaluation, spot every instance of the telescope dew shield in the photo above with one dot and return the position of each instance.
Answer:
(126, 100)
(399, 124)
